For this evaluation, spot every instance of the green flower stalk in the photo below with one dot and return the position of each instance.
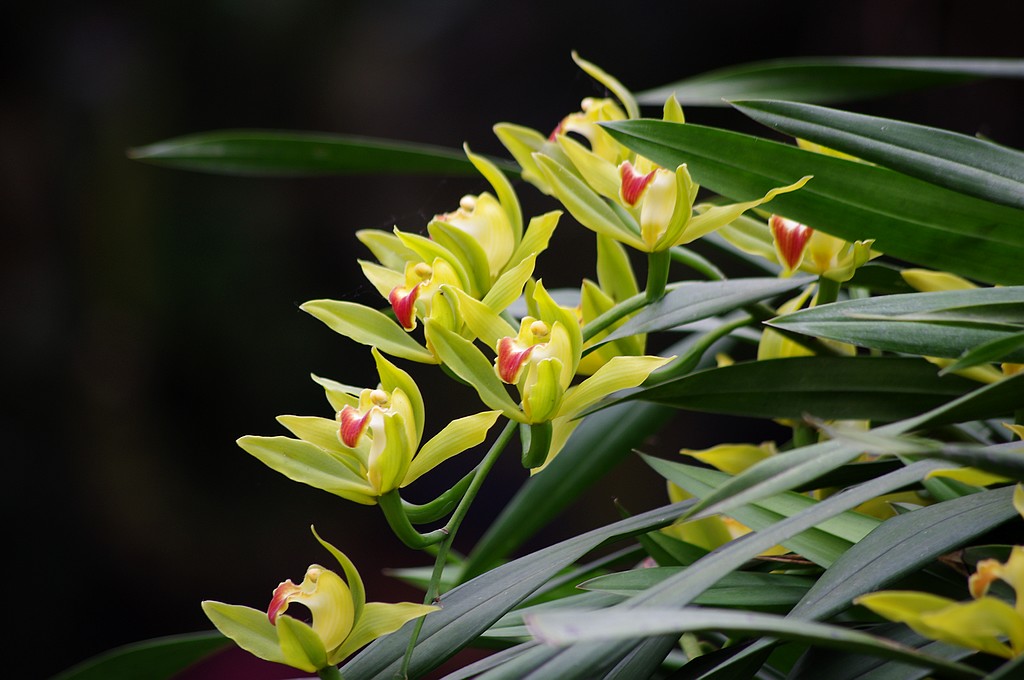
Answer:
(342, 619)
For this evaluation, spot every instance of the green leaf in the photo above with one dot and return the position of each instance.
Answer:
(959, 162)
(818, 79)
(696, 300)
(902, 545)
(993, 350)
(822, 545)
(473, 607)
(856, 388)
(942, 324)
(736, 589)
(156, 659)
(263, 153)
(596, 446)
(562, 627)
(580, 661)
(800, 466)
(909, 219)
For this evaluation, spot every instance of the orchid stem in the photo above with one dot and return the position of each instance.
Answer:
(622, 309)
(329, 673)
(828, 290)
(394, 513)
(452, 527)
(657, 274)
(440, 506)
(687, 362)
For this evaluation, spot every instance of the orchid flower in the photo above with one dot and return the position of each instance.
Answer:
(480, 247)
(373, 446)
(342, 619)
(540, 359)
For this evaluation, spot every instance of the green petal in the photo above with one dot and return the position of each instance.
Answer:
(618, 374)
(542, 399)
(537, 236)
(457, 436)
(617, 88)
(720, 215)
(587, 207)
(386, 247)
(393, 378)
(368, 327)
(429, 250)
(469, 363)
(467, 249)
(303, 462)
(522, 143)
(614, 272)
(481, 319)
(323, 433)
(552, 313)
(600, 174)
(509, 285)
(503, 188)
(383, 279)
(355, 582)
(339, 394)
(249, 628)
(394, 460)
(302, 647)
(379, 619)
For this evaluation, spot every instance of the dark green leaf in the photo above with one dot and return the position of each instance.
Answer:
(869, 388)
(958, 162)
(908, 218)
(818, 79)
(993, 350)
(943, 324)
(152, 659)
(736, 589)
(696, 300)
(563, 627)
(470, 609)
(271, 153)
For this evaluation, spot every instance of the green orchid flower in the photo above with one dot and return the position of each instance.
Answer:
(986, 623)
(342, 619)
(540, 359)
(480, 248)
(373, 445)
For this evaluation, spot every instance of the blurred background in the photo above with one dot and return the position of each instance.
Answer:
(151, 315)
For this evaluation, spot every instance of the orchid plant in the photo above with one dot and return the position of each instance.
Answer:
(879, 319)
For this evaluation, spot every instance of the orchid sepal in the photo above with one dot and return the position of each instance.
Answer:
(502, 188)
(368, 326)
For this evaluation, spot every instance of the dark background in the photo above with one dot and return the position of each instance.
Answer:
(150, 315)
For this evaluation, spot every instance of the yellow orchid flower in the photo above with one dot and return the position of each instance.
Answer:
(373, 446)
(342, 620)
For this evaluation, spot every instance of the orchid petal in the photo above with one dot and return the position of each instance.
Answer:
(392, 379)
(616, 88)
(503, 188)
(720, 215)
(368, 327)
(378, 619)
(387, 248)
(484, 322)
(618, 374)
(535, 240)
(301, 646)
(509, 285)
(457, 436)
(248, 628)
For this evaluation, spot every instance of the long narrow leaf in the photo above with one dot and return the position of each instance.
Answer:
(868, 388)
(960, 162)
(908, 218)
(273, 153)
(470, 609)
(156, 659)
(942, 324)
(563, 627)
(834, 79)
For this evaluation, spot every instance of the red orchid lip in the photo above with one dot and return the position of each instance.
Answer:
(511, 360)
(353, 425)
(791, 238)
(403, 301)
(633, 183)
(280, 600)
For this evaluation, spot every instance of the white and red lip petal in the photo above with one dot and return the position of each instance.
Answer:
(403, 301)
(633, 183)
(282, 595)
(352, 425)
(791, 237)
(511, 359)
